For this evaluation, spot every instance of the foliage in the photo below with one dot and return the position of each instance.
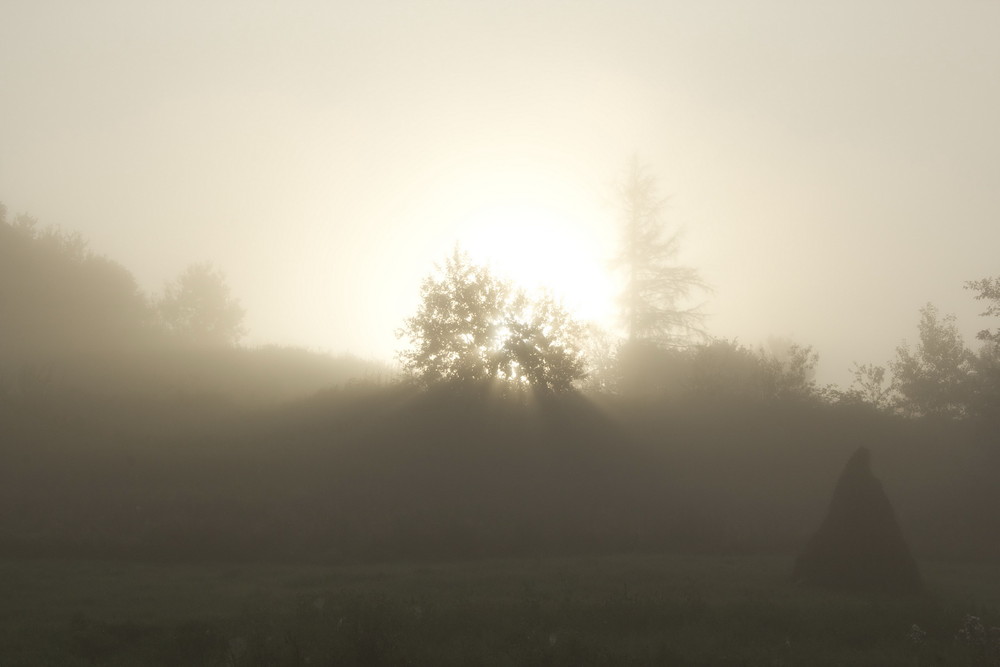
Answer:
(197, 308)
(790, 369)
(935, 379)
(725, 368)
(75, 324)
(985, 400)
(721, 370)
(656, 287)
(473, 327)
(602, 351)
(542, 345)
(728, 368)
(871, 386)
(989, 291)
(57, 297)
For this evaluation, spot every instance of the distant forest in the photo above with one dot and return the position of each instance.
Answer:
(136, 425)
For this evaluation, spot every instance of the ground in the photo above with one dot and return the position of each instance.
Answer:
(608, 610)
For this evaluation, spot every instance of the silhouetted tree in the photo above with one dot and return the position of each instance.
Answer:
(472, 327)
(542, 345)
(456, 330)
(989, 291)
(870, 386)
(934, 379)
(197, 307)
(986, 401)
(726, 369)
(57, 297)
(602, 355)
(790, 368)
(657, 289)
(986, 390)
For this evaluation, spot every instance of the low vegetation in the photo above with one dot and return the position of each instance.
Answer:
(622, 610)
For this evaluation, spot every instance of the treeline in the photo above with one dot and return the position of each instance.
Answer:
(75, 322)
(939, 377)
(473, 328)
(124, 436)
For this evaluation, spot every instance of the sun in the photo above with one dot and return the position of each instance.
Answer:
(541, 247)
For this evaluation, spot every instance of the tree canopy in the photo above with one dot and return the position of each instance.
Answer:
(988, 290)
(473, 327)
(933, 379)
(58, 297)
(198, 308)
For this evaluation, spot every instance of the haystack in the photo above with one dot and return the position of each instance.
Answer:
(859, 546)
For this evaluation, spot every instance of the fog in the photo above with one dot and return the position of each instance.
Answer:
(459, 333)
(833, 167)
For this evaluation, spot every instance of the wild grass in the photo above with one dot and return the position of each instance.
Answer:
(621, 610)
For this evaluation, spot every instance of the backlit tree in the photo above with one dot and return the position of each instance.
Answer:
(655, 303)
(472, 327)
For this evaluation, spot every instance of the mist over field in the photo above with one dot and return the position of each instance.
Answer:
(455, 330)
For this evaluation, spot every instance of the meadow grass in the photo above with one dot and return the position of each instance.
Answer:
(610, 610)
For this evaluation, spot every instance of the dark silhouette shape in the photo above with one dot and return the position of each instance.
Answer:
(859, 546)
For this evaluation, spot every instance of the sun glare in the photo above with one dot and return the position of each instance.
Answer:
(540, 248)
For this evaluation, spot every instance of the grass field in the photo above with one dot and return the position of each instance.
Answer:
(620, 610)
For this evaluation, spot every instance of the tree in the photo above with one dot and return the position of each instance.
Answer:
(987, 398)
(989, 290)
(542, 345)
(197, 307)
(656, 287)
(601, 351)
(472, 327)
(870, 386)
(59, 298)
(790, 369)
(726, 369)
(935, 379)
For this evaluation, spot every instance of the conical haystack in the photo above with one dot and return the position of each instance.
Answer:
(859, 546)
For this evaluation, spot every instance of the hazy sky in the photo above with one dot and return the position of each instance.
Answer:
(835, 165)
